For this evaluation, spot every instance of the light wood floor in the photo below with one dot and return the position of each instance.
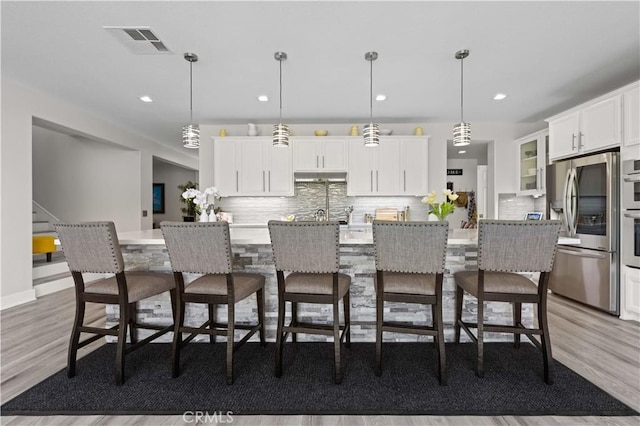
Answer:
(598, 346)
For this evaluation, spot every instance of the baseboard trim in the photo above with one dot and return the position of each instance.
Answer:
(16, 299)
(53, 286)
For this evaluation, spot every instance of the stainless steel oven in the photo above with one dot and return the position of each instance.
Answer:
(631, 184)
(631, 237)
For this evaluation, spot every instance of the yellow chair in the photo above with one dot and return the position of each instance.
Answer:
(44, 244)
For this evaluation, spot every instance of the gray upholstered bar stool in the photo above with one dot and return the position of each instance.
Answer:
(310, 253)
(410, 259)
(205, 248)
(93, 247)
(505, 248)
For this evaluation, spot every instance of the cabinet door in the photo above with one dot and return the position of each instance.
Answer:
(387, 173)
(414, 161)
(279, 172)
(360, 174)
(334, 155)
(253, 175)
(631, 122)
(630, 293)
(225, 167)
(563, 136)
(306, 154)
(600, 125)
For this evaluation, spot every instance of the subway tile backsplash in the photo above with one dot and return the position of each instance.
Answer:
(311, 196)
(512, 207)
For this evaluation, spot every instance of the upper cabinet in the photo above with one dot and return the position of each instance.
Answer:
(531, 163)
(592, 128)
(398, 166)
(252, 167)
(320, 153)
(631, 116)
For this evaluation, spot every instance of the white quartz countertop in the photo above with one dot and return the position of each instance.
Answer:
(260, 235)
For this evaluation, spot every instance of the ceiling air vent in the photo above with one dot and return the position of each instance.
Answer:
(139, 40)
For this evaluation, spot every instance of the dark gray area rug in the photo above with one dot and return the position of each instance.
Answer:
(512, 384)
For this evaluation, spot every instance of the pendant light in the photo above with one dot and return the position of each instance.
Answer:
(191, 132)
(462, 130)
(280, 131)
(371, 131)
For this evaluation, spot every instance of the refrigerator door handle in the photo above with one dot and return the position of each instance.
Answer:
(591, 255)
(566, 201)
(573, 193)
(632, 215)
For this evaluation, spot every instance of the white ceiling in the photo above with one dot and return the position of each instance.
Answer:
(546, 56)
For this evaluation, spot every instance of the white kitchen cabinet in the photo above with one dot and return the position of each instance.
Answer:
(630, 294)
(531, 163)
(631, 117)
(398, 166)
(252, 167)
(589, 129)
(320, 153)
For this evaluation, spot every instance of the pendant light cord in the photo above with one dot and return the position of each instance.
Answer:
(371, 92)
(191, 92)
(462, 90)
(280, 91)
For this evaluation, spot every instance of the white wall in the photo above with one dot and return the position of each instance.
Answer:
(172, 176)
(78, 179)
(20, 106)
(467, 182)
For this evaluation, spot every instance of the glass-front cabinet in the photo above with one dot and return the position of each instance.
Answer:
(530, 163)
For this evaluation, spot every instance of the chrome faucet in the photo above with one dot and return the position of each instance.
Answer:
(320, 215)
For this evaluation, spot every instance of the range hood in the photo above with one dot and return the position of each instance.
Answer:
(320, 176)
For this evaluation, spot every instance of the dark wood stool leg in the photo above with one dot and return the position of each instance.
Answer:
(545, 341)
(212, 321)
(260, 302)
(456, 324)
(442, 359)
(231, 322)
(49, 257)
(279, 334)
(480, 344)
(379, 322)
(133, 331)
(75, 337)
(177, 337)
(336, 341)
(517, 319)
(122, 342)
(294, 320)
(347, 318)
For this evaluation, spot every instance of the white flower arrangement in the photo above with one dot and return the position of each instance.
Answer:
(441, 210)
(201, 199)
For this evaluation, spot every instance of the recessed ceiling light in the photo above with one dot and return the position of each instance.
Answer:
(499, 96)
(145, 99)
(462, 151)
(263, 98)
(381, 97)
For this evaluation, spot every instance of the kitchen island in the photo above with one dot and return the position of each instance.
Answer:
(145, 250)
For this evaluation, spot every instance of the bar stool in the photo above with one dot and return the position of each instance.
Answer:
(505, 248)
(410, 260)
(93, 247)
(310, 253)
(205, 248)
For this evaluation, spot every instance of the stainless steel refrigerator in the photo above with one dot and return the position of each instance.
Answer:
(583, 193)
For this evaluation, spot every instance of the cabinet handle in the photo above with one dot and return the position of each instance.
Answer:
(317, 162)
(237, 186)
(371, 180)
(580, 136)
(263, 182)
(404, 178)
(573, 141)
(323, 161)
(377, 188)
(269, 180)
